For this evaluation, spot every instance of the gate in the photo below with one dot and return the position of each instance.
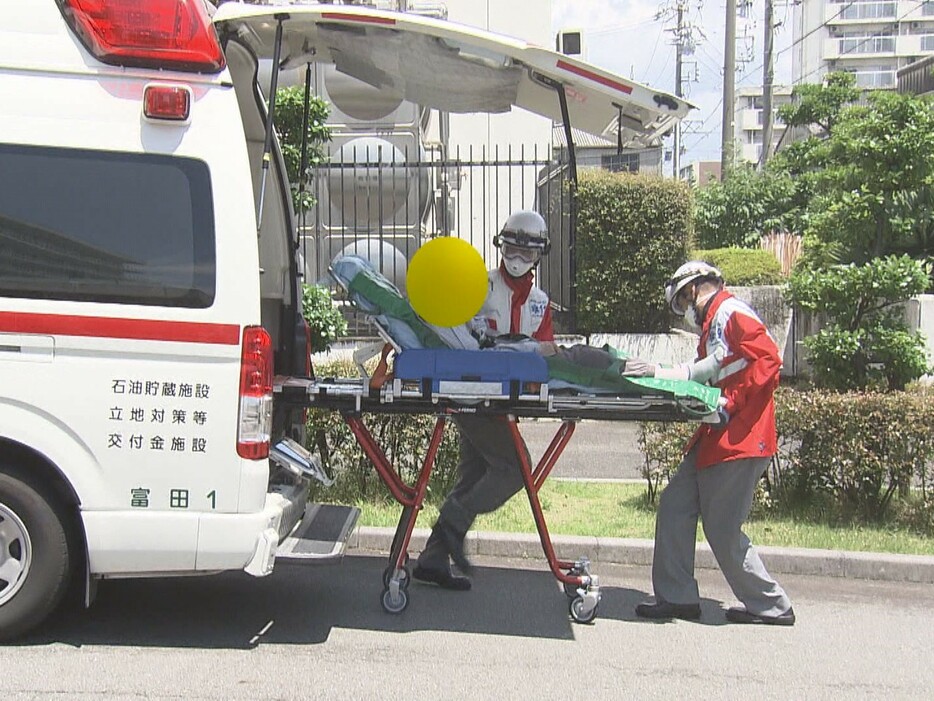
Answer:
(382, 203)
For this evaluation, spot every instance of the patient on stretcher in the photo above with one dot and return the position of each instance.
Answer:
(579, 367)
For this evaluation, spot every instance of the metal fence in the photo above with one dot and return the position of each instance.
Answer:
(384, 202)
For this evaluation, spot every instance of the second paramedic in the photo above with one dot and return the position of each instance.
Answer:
(488, 473)
(724, 461)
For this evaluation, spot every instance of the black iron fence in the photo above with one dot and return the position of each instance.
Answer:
(383, 202)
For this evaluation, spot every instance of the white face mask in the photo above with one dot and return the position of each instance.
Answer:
(517, 266)
(690, 317)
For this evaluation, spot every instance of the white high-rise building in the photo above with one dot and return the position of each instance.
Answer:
(871, 38)
(750, 118)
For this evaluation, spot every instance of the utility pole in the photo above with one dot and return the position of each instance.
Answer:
(679, 55)
(729, 89)
(768, 75)
(684, 42)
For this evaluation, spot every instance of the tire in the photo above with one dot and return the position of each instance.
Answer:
(394, 606)
(34, 556)
(576, 609)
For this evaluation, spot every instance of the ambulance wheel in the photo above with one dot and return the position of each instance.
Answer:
(34, 556)
(576, 609)
(404, 581)
(397, 604)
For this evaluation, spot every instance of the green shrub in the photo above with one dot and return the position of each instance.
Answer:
(632, 232)
(863, 448)
(743, 266)
(403, 438)
(290, 113)
(867, 342)
(326, 321)
(662, 444)
(748, 204)
(854, 456)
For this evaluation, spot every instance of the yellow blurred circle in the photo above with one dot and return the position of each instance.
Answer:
(447, 281)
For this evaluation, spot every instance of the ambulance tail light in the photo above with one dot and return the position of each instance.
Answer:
(165, 34)
(255, 394)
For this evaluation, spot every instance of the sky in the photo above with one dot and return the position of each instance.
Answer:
(624, 36)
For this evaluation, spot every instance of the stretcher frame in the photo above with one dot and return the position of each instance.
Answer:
(353, 398)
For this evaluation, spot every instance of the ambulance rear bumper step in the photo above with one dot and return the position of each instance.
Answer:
(321, 536)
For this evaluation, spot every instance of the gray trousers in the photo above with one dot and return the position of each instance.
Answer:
(488, 475)
(722, 496)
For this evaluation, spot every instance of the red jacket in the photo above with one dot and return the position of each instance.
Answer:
(747, 377)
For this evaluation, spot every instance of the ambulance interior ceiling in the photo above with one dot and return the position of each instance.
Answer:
(457, 77)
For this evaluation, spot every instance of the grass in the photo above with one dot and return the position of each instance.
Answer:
(618, 510)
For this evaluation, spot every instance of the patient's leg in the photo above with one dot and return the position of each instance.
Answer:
(586, 356)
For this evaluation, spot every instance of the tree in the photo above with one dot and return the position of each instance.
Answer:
(877, 183)
(325, 320)
(820, 104)
(867, 341)
(290, 111)
(738, 211)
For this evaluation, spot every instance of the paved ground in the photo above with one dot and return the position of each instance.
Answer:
(597, 450)
(309, 633)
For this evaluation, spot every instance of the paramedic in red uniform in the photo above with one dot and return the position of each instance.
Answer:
(489, 473)
(723, 461)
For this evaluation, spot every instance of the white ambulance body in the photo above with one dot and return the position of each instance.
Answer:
(144, 311)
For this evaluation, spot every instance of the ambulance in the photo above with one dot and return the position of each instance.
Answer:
(150, 287)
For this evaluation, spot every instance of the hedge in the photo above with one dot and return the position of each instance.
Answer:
(632, 232)
(403, 438)
(743, 267)
(869, 456)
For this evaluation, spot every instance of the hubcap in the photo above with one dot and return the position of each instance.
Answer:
(15, 554)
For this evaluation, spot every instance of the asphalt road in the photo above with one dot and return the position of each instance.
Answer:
(308, 633)
(597, 450)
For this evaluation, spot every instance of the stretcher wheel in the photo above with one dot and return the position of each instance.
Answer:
(578, 613)
(404, 581)
(397, 604)
(570, 590)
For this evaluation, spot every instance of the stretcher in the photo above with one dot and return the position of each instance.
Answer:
(447, 382)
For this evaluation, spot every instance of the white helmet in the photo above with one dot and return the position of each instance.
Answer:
(692, 271)
(525, 228)
(523, 241)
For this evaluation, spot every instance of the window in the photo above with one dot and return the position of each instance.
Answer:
(867, 45)
(105, 227)
(875, 79)
(927, 42)
(868, 10)
(620, 163)
(927, 9)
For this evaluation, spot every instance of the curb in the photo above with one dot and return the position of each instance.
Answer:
(636, 551)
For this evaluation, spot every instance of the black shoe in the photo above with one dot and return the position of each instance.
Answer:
(455, 544)
(741, 615)
(663, 610)
(444, 578)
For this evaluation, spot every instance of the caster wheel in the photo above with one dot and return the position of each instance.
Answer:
(576, 609)
(397, 605)
(570, 590)
(403, 582)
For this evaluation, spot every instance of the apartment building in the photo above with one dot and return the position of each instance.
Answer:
(871, 38)
(749, 118)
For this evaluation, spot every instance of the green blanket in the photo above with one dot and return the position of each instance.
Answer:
(609, 379)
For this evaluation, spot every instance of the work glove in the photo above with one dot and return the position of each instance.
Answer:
(636, 367)
(719, 418)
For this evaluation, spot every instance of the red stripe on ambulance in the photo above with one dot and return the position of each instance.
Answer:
(590, 75)
(111, 327)
(350, 17)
